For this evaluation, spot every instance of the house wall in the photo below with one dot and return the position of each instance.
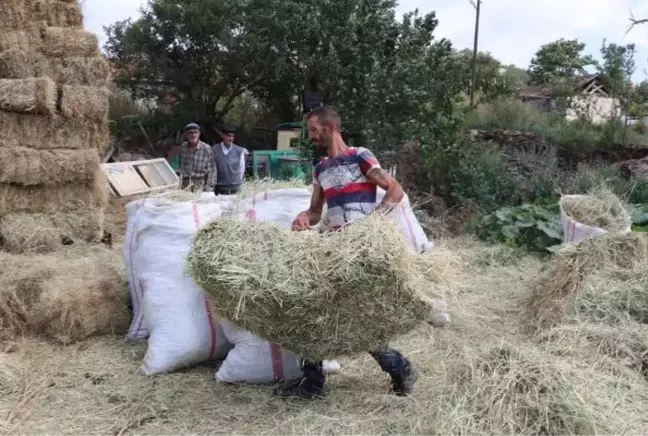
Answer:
(284, 137)
(597, 108)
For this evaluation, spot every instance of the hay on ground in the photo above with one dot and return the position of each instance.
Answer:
(84, 102)
(43, 132)
(29, 96)
(317, 295)
(65, 42)
(601, 208)
(28, 166)
(21, 64)
(53, 199)
(555, 292)
(64, 297)
(42, 233)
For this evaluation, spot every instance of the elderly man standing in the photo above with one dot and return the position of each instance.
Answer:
(197, 166)
(230, 163)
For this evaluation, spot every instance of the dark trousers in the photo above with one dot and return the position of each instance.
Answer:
(194, 184)
(391, 361)
(226, 190)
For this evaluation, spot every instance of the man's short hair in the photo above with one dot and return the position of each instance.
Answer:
(327, 115)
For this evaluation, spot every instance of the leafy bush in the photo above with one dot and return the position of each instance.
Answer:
(482, 177)
(530, 226)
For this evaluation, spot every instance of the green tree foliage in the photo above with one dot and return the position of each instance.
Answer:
(493, 79)
(559, 61)
(390, 78)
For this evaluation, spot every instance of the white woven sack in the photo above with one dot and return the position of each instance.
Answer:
(574, 232)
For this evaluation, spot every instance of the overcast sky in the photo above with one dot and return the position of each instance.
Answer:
(512, 30)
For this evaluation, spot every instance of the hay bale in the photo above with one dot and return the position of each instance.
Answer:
(29, 96)
(28, 166)
(601, 208)
(66, 296)
(317, 295)
(93, 71)
(84, 102)
(64, 42)
(55, 132)
(556, 291)
(53, 199)
(42, 233)
(21, 64)
(57, 13)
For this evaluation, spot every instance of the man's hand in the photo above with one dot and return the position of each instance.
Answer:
(302, 222)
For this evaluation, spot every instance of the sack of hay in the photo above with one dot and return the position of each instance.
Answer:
(66, 296)
(600, 212)
(52, 132)
(84, 102)
(27, 166)
(44, 233)
(65, 42)
(318, 295)
(66, 197)
(21, 64)
(29, 96)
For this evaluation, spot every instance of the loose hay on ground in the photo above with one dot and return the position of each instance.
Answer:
(84, 102)
(29, 96)
(43, 132)
(317, 295)
(65, 42)
(66, 296)
(27, 166)
(43, 233)
(53, 199)
(601, 208)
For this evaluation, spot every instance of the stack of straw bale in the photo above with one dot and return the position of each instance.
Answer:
(53, 126)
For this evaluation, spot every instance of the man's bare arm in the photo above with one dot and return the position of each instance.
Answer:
(393, 190)
(317, 205)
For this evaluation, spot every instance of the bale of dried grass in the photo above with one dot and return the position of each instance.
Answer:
(65, 42)
(23, 233)
(56, 13)
(28, 166)
(29, 96)
(55, 198)
(317, 295)
(92, 71)
(84, 102)
(22, 64)
(27, 37)
(66, 296)
(601, 208)
(555, 292)
(55, 132)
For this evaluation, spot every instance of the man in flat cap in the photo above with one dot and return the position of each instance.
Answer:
(197, 166)
(230, 163)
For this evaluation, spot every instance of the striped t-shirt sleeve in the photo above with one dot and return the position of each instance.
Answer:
(367, 160)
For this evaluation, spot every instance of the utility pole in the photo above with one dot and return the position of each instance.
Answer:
(477, 5)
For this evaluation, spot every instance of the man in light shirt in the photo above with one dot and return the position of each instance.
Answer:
(230, 164)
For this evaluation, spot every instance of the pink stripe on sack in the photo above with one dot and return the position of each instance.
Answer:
(409, 228)
(277, 362)
(138, 291)
(251, 213)
(212, 325)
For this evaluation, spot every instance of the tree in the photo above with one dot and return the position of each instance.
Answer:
(388, 77)
(558, 62)
(492, 79)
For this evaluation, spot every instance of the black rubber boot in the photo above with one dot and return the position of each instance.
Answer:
(310, 386)
(401, 371)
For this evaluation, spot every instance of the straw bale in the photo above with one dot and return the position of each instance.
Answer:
(14, 15)
(43, 132)
(22, 64)
(42, 233)
(27, 166)
(601, 208)
(56, 198)
(57, 13)
(30, 96)
(93, 71)
(319, 295)
(65, 42)
(66, 296)
(84, 102)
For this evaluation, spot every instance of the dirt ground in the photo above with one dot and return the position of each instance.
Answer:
(481, 374)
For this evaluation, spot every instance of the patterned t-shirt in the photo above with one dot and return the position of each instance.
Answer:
(349, 194)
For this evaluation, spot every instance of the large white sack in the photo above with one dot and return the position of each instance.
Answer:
(253, 360)
(574, 232)
(409, 224)
(182, 329)
(138, 328)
